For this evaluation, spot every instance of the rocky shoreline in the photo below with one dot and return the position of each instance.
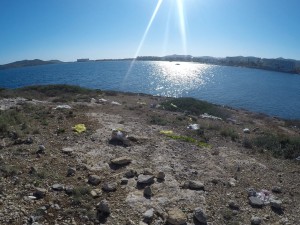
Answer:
(140, 159)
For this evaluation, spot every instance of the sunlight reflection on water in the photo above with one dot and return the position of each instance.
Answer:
(176, 79)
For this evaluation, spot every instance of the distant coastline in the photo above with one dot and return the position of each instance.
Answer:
(24, 63)
(278, 64)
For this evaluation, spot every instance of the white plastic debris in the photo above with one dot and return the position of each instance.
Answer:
(102, 100)
(115, 103)
(63, 107)
(246, 131)
(194, 126)
(207, 116)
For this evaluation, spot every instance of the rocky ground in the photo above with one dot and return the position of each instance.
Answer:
(124, 170)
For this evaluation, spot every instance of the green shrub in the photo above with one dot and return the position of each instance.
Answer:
(229, 132)
(279, 145)
(157, 120)
(195, 107)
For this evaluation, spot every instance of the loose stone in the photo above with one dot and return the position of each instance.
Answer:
(176, 217)
(200, 215)
(94, 179)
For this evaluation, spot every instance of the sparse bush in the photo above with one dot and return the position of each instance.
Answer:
(195, 107)
(229, 132)
(279, 145)
(247, 143)
(157, 120)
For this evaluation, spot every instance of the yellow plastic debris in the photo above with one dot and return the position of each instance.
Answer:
(166, 132)
(79, 128)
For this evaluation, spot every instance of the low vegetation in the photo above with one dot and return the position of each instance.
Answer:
(195, 107)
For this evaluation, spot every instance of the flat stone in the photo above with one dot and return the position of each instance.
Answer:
(196, 185)
(145, 179)
(277, 189)
(58, 187)
(109, 187)
(277, 204)
(121, 160)
(67, 150)
(124, 181)
(94, 179)
(256, 202)
(176, 217)
(255, 220)
(200, 215)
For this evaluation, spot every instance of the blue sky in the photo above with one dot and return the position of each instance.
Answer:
(98, 29)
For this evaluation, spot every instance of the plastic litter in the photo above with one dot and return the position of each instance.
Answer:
(246, 131)
(115, 103)
(194, 126)
(166, 132)
(119, 137)
(264, 195)
(207, 116)
(63, 107)
(175, 106)
(102, 100)
(79, 128)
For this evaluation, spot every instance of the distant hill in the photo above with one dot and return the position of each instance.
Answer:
(23, 63)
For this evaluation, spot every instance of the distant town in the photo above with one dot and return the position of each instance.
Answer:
(278, 64)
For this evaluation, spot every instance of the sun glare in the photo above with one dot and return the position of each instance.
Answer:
(182, 28)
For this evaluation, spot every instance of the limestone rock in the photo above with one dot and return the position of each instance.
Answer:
(200, 215)
(256, 202)
(109, 187)
(94, 179)
(58, 187)
(124, 160)
(176, 217)
(145, 179)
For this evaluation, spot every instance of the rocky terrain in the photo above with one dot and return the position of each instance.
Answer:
(139, 163)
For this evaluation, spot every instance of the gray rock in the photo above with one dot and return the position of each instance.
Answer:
(256, 202)
(277, 189)
(94, 180)
(195, 185)
(71, 171)
(145, 179)
(109, 187)
(28, 141)
(121, 161)
(41, 149)
(67, 150)
(277, 204)
(130, 173)
(69, 189)
(124, 181)
(233, 205)
(148, 215)
(58, 187)
(103, 207)
(33, 170)
(160, 175)
(200, 215)
(255, 220)
(148, 192)
(176, 217)
(40, 193)
(246, 131)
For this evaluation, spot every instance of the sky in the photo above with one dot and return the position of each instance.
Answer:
(101, 29)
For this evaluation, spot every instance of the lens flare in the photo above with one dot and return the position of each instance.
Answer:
(182, 25)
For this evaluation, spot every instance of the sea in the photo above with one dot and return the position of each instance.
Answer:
(272, 93)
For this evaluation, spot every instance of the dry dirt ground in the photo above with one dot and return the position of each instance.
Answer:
(36, 157)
